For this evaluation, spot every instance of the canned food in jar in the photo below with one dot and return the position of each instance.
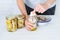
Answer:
(33, 20)
(20, 21)
(9, 24)
(14, 24)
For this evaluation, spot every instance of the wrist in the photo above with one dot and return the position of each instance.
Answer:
(26, 17)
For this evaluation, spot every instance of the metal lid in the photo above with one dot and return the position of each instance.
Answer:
(10, 17)
(20, 17)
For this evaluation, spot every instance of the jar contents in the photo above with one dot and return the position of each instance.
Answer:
(33, 20)
(20, 21)
(11, 23)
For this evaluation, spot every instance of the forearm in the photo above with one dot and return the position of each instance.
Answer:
(22, 7)
(50, 2)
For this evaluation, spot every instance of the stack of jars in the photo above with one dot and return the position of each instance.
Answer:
(14, 22)
(17, 22)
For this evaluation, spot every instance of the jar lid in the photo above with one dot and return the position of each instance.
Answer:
(20, 17)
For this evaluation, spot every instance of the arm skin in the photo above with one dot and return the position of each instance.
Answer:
(22, 8)
(41, 8)
(50, 2)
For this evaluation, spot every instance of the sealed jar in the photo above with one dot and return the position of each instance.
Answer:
(33, 19)
(11, 23)
(20, 21)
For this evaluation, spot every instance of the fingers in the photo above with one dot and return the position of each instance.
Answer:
(42, 9)
(28, 25)
(39, 9)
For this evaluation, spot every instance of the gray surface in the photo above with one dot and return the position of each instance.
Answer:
(50, 31)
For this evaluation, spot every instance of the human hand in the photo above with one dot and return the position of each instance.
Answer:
(41, 8)
(28, 25)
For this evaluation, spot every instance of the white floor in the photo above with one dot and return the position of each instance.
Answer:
(50, 31)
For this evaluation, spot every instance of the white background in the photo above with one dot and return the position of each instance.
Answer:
(50, 31)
